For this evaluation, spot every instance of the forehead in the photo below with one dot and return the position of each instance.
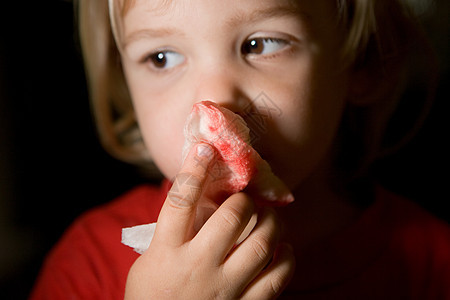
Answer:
(134, 15)
(161, 6)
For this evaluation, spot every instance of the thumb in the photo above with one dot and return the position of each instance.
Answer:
(176, 221)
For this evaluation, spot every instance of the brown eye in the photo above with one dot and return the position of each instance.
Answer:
(262, 46)
(254, 46)
(159, 60)
(164, 59)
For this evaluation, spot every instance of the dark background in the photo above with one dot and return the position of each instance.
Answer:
(52, 167)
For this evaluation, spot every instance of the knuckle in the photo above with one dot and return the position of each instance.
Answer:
(178, 200)
(185, 190)
(261, 247)
(232, 217)
(275, 284)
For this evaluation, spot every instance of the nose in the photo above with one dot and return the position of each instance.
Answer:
(223, 85)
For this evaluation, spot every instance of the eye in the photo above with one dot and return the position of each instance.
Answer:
(164, 59)
(263, 46)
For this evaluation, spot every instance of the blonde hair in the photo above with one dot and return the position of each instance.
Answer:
(110, 99)
(378, 35)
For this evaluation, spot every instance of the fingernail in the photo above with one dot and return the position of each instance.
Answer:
(204, 150)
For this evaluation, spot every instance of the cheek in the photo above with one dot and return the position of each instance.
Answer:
(165, 149)
(162, 131)
(161, 113)
(310, 111)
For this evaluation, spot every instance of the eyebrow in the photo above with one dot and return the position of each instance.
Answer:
(240, 18)
(268, 13)
(150, 33)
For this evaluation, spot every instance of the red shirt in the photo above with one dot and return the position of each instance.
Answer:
(395, 250)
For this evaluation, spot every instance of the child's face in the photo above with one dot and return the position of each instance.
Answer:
(182, 52)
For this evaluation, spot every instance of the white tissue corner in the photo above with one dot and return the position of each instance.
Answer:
(138, 237)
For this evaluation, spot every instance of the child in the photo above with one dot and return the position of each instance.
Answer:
(333, 71)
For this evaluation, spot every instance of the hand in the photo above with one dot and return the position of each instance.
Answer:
(182, 263)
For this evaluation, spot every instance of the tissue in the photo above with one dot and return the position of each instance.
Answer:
(237, 165)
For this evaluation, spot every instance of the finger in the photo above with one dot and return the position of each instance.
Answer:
(175, 222)
(248, 259)
(274, 279)
(223, 229)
